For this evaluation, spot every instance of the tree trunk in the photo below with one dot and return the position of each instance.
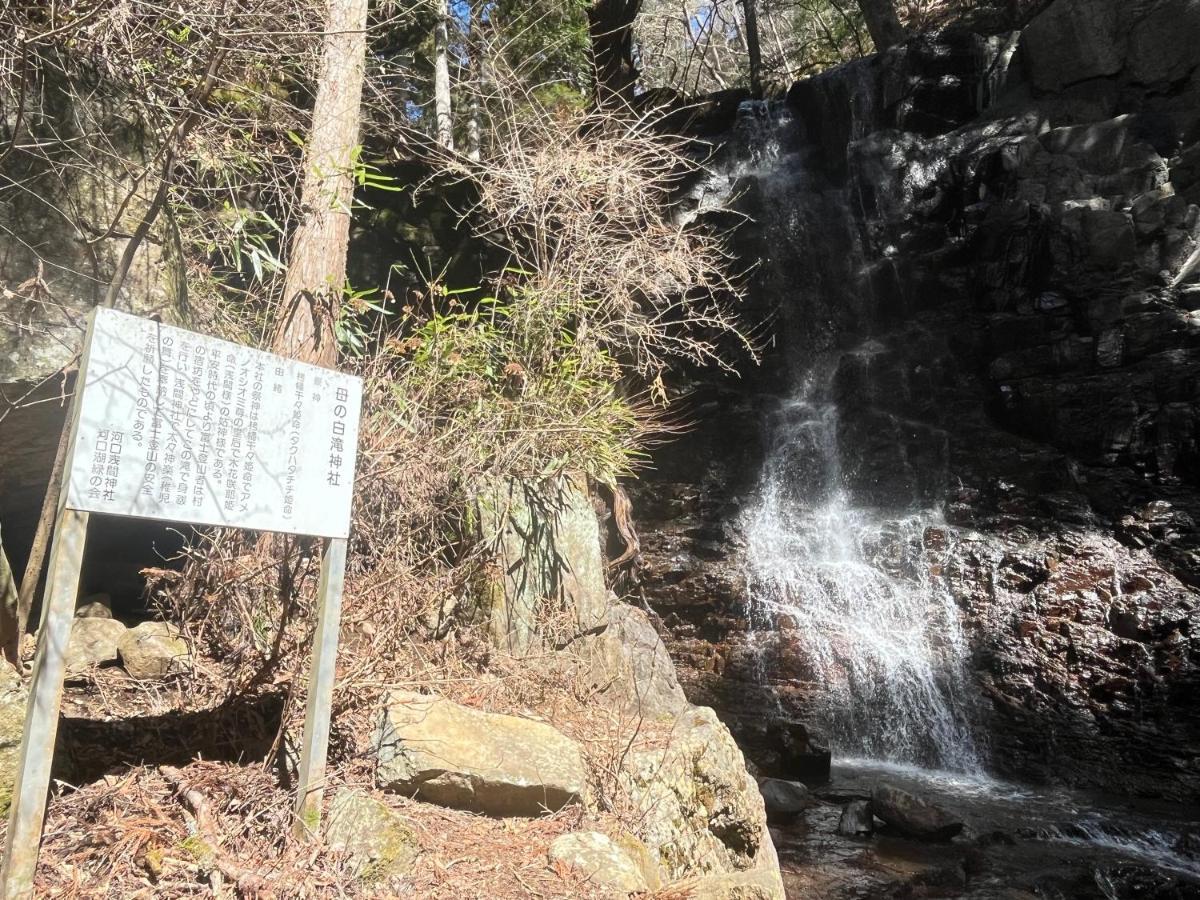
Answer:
(317, 266)
(882, 22)
(477, 63)
(753, 48)
(610, 26)
(8, 610)
(441, 78)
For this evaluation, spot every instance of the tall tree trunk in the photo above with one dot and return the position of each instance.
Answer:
(441, 78)
(476, 59)
(610, 27)
(882, 22)
(753, 48)
(317, 265)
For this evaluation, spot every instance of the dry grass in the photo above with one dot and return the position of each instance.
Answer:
(132, 836)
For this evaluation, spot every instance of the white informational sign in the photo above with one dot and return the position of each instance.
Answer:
(175, 425)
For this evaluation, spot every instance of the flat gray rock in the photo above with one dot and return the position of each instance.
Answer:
(452, 755)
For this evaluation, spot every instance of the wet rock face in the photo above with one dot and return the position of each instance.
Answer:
(1002, 257)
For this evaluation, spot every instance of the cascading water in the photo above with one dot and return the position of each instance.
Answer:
(879, 629)
(856, 583)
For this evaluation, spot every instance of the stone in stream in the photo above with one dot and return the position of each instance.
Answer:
(857, 819)
(452, 755)
(624, 865)
(783, 799)
(913, 816)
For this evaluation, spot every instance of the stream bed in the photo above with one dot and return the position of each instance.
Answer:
(1018, 842)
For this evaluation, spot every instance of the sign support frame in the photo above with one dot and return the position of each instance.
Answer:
(322, 670)
(27, 812)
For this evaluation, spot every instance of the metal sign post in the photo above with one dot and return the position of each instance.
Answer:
(171, 425)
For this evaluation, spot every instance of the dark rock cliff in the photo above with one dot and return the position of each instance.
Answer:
(995, 241)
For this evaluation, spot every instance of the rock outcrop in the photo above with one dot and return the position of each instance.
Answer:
(544, 539)
(449, 754)
(999, 241)
(13, 696)
(621, 866)
(700, 810)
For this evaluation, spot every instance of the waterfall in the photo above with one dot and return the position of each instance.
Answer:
(862, 592)
(854, 582)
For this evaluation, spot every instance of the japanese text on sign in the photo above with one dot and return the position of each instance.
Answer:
(175, 425)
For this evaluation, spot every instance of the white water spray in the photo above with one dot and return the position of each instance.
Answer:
(876, 623)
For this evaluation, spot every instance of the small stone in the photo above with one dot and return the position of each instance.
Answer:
(380, 844)
(153, 650)
(624, 866)
(783, 799)
(857, 819)
(93, 642)
(94, 606)
(913, 816)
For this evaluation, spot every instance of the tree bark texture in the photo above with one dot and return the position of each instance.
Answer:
(317, 265)
(753, 48)
(610, 27)
(442, 113)
(882, 22)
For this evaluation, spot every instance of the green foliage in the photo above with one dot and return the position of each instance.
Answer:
(504, 385)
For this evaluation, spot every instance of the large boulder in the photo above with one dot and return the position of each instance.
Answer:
(1163, 41)
(12, 726)
(93, 642)
(913, 816)
(783, 799)
(449, 754)
(630, 665)
(699, 809)
(152, 650)
(1072, 41)
(103, 192)
(379, 843)
(624, 866)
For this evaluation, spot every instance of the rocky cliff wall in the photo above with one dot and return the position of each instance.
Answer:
(993, 242)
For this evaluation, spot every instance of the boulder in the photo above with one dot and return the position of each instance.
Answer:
(857, 819)
(12, 727)
(1163, 40)
(783, 799)
(545, 541)
(92, 643)
(1072, 41)
(94, 606)
(152, 650)
(913, 816)
(379, 843)
(449, 754)
(631, 667)
(699, 811)
(624, 865)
